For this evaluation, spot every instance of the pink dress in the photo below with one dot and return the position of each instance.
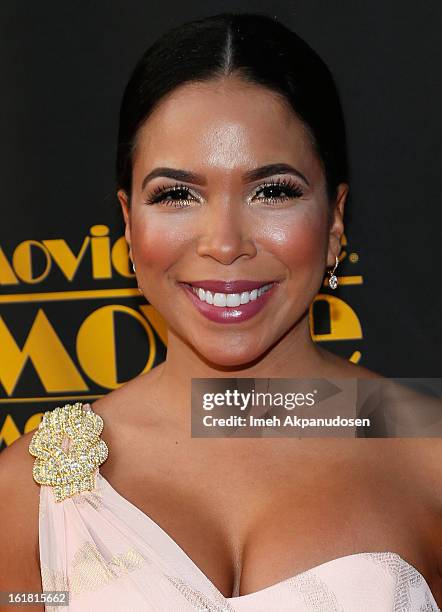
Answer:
(112, 557)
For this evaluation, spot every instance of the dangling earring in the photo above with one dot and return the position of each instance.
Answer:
(333, 280)
(133, 266)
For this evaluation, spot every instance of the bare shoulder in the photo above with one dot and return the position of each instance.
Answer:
(19, 515)
(339, 367)
(131, 425)
(422, 457)
(421, 460)
(130, 400)
(416, 461)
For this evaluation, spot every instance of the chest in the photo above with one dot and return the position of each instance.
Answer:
(254, 521)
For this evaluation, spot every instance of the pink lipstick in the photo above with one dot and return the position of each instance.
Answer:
(246, 290)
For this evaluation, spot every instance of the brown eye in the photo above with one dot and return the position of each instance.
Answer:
(171, 196)
(279, 191)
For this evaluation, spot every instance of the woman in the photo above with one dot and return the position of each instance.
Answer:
(232, 175)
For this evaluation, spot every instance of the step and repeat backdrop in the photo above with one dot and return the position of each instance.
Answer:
(72, 324)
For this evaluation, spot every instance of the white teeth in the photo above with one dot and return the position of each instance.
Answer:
(220, 299)
(230, 299)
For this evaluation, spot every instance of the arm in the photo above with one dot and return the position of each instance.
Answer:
(426, 459)
(19, 513)
(434, 464)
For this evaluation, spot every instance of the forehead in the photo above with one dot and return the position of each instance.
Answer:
(222, 124)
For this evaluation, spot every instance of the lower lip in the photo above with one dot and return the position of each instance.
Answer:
(230, 314)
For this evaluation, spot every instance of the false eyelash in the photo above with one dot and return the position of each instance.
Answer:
(292, 188)
(161, 191)
(164, 190)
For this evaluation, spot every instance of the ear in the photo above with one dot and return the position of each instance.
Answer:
(337, 224)
(124, 202)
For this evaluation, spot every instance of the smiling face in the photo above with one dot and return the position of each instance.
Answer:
(223, 221)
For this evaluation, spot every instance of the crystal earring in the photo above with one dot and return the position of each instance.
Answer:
(333, 280)
(133, 266)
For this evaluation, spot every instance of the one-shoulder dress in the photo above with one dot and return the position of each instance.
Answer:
(111, 557)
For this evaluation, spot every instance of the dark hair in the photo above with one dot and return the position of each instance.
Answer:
(255, 47)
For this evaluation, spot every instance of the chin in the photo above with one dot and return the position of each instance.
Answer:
(230, 357)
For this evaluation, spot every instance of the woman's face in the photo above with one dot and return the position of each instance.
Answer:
(225, 223)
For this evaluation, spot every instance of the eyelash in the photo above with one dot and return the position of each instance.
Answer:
(160, 193)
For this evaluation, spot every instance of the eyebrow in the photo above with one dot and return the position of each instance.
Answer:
(198, 179)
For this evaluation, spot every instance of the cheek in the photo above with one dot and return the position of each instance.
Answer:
(297, 240)
(300, 242)
(157, 241)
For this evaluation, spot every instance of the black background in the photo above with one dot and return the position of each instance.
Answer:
(63, 70)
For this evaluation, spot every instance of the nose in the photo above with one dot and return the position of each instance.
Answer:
(225, 235)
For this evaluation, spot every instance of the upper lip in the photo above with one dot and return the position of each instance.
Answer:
(234, 286)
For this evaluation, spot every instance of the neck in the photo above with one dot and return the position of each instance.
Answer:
(295, 355)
